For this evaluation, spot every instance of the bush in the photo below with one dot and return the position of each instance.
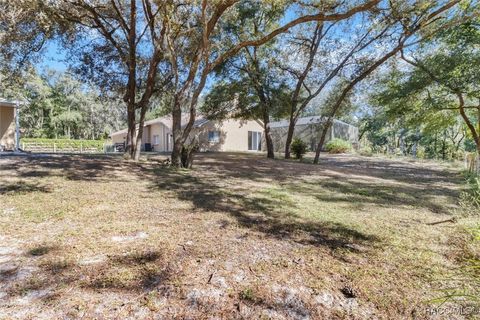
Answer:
(299, 148)
(366, 152)
(63, 144)
(338, 146)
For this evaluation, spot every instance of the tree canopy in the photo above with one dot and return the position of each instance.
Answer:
(433, 98)
(263, 58)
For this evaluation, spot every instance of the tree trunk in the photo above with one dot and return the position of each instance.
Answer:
(269, 141)
(177, 133)
(129, 97)
(322, 140)
(291, 130)
(131, 134)
(268, 135)
(138, 142)
(478, 160)
(477, 142)
(444, 145)
(360, 136)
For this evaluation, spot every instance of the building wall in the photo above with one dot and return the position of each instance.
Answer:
(233, 135)
(148, 132)
(119, 137)
(162, 131)
(7, 127)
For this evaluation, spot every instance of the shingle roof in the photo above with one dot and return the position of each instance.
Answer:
(167, 121)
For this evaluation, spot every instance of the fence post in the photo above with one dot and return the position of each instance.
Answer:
(54, 147)
(81, 147)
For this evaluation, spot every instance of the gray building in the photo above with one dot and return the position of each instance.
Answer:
(309, 130)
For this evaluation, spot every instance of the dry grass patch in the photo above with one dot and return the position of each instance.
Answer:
(239, 236)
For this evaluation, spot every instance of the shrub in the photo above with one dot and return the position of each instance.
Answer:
(366, 152)
(64, 143)
(338, 146)
(421, 152)
(299, 148)
(248, 295)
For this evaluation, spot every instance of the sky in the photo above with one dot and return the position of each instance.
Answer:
(53, 58)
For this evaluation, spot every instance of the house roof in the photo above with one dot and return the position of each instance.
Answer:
(304, 121)
(167, 121)
(6, 103)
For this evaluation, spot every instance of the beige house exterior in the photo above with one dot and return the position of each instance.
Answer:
(7, 126)
(213, 135)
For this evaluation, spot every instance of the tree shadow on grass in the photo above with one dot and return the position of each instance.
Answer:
(257, 167)
(345, 179)
(134, 272)
(23, 187)
(73, 167)
(41, 250)
(362, 193)
(262, 213)
(398, 170)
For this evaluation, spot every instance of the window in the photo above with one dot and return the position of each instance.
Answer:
(156, 139)
(213, 136)
(169, 141)
(254, 140)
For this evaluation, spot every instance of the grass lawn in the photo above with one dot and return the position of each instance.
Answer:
(237, 237)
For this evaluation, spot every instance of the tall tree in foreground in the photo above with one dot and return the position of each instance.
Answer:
(251, 76)
(415, 24)
(117, 44)
(126, 44)
(327, 52)
(196, 45)
(448, 75)
(322, 60)
(404, 118)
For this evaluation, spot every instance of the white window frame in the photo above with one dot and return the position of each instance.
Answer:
(156, 139)
(254, 140)
(215, 136)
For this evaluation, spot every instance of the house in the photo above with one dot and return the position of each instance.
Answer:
(309, 130)
(9, 128)
(212, 135)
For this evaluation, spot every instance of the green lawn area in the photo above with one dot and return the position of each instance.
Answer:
(239, 236)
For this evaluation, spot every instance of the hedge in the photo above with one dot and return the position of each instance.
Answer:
(64, 143)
